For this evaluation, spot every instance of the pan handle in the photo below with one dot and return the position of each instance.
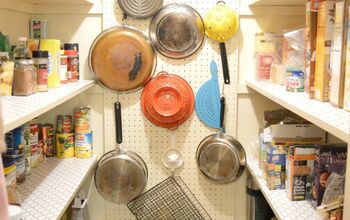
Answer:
(136, 68)
(224, 63)
(118, 122)
(222, 111)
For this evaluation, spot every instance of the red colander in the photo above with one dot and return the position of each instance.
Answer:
(167, 100)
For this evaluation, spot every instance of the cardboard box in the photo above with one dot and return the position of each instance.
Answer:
(294, 133)
(346, 101)
(325, 21)
(328, 159)
(336, 88)
(310, 46)
(275, 166)
(299, 172)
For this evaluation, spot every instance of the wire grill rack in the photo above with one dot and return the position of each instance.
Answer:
(169, 200)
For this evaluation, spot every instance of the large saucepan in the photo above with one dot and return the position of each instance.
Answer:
(120, 174)
(122, 59)
(220, 157)
(177, 30)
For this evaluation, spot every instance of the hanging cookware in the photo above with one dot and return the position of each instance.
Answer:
(122, 59)
(140, 8)
(177, 31)
(221, 23)
(167, 100)
(120, 174)
(207, 103)
(220, 157)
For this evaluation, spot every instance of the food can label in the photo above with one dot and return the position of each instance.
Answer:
(42, 76)
(64, 145)
(10, 175)
(83, 145)
(20, 165)
(82, 120)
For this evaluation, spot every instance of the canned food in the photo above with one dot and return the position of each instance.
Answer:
(46, 137)
(15, 141)
(20, 166)
(64, 124)
(82, 120)
(10, 180)
(64, 145)
(83, 145)
(27, 150)
(34, 142)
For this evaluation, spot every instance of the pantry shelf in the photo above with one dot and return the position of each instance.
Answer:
(283, 208)
(333, 120)
(17, 110)
(51, 187)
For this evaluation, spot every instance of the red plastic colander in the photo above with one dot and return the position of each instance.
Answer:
(167, 100)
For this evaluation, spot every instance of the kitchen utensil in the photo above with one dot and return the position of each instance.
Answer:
(140, 8)
(207, 103)
(122, 59)
(221, 23)
(120, 174)
(172, 157)
(170, 199)
(177, 31)
(167, 100)
(220, 157)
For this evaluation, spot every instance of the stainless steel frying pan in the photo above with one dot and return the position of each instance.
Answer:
(220, 157)
(120, 174)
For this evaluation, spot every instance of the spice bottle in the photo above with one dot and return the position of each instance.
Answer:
(63, 67)
(40, 58)
(72, 67)
(22, 51)
(24, 78)
(73, 46)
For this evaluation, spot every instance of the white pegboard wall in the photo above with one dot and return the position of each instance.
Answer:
(150, 141)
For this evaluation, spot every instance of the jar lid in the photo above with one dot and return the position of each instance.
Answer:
(71, 52)
(25, 62)
(40, 54)
(71, 46)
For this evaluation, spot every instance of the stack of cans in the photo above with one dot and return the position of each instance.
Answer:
(83, 133)
(64, 136)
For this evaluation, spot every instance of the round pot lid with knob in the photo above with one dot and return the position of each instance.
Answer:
(177, 31)
(221, 158)
(122, 59)
(140, 8)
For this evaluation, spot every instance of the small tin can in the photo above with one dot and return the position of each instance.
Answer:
(20, 166)
(64, 124)
(35, 156)
(15, 141)
(83, 145)
(47, 138)
(33, 133)
(82, 120)
(64, 145)
(27, 150)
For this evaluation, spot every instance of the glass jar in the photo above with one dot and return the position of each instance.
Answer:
(40, 58)
(24, 78)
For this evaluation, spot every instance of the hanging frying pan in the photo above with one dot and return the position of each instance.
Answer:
(220, 157)
(221, 23)
(140, 8)
(122, 59)
(120, 174)
(177, 31)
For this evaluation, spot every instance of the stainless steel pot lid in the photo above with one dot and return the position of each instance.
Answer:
(220, 159)
(120, 178)
(140, 8)
(177, 31)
